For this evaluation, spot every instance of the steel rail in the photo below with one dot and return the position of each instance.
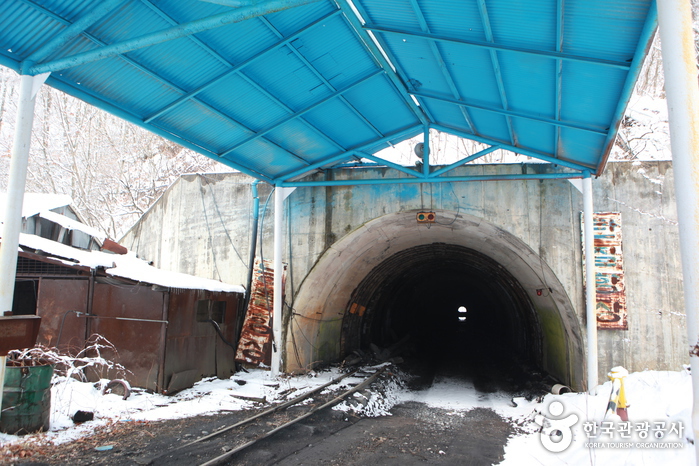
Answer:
(271, 410)
(334, 401)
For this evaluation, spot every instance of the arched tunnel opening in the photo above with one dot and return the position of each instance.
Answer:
(446, 309)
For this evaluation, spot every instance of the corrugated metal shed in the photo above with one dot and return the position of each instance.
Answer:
(279, 88)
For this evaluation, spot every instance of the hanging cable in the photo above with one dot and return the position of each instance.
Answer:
(223, 224)
(208, 229)
(220, 333)
(458, 207)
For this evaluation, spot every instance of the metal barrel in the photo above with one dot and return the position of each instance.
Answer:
(26, 401)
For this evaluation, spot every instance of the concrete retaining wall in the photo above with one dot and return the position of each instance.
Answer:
(201, 226)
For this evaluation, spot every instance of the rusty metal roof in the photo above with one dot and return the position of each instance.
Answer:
(278, 88)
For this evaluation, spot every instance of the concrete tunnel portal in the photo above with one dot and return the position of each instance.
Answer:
(442, 304)
(463, 294)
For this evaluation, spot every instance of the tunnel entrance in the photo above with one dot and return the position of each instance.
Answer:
(392, 279)
(448, 308)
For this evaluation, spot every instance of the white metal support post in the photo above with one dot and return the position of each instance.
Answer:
(277, 302)
(590, 295)
(680, 67)
(279, 195)
(29, 86)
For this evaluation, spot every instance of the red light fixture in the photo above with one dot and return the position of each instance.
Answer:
(426, 217)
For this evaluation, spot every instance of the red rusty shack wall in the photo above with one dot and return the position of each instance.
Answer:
(55, 299)
(138, 343)
(194, 349)
(152, 352)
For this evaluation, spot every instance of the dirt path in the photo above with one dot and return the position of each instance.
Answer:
(413, 434)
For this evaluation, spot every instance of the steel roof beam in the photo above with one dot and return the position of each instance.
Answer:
(175, 32)
(395, 166)
(71, 32)
(163, 81)
(225, 62)
(344, 156)
(231, 3)
(464, 161)
(93, 39)
(69, 88)
(97, 41)
(239, 71)
(404, 82)
(499, 47)
(235, 69)
(485, 19)
(387, 139)
(314, 166)
(277, 101)
(300, 113)
(442, 65)
(378, 56)
(458, 179)
(320, 76)
(517, 150)
(356, 164)
(645, 41)
(559, 72)
(527, 116)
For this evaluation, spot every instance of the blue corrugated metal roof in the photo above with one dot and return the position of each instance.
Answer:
(317, 83)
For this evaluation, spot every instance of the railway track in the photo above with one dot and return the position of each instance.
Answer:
(242, 435)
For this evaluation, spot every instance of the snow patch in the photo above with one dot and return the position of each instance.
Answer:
(34, 203)
(653, 396)
(125, 266)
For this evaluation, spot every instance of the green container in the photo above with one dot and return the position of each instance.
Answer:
(26, 399)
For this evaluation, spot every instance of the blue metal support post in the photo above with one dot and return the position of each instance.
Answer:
(590, 288)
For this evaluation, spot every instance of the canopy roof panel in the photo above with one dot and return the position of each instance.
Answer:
(279, 88)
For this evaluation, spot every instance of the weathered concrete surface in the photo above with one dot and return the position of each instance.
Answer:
(532, 227)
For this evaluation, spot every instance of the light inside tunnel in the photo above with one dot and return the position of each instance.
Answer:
(462, 314)
(410, 300)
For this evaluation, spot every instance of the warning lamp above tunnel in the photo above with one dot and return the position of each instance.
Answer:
(426, 217)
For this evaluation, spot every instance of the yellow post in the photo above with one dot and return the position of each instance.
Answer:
(617, 399)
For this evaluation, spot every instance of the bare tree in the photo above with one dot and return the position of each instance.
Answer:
(113, 170)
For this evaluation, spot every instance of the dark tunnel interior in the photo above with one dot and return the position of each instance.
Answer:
(446, 309)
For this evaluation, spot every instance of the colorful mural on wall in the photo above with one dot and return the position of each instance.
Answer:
(610, 290)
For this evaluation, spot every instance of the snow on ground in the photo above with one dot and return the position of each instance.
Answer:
(661, 399)
(209, 396)
(655, 397)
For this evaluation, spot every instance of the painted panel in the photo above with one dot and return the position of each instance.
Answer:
(610, 290)
(256, 336)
